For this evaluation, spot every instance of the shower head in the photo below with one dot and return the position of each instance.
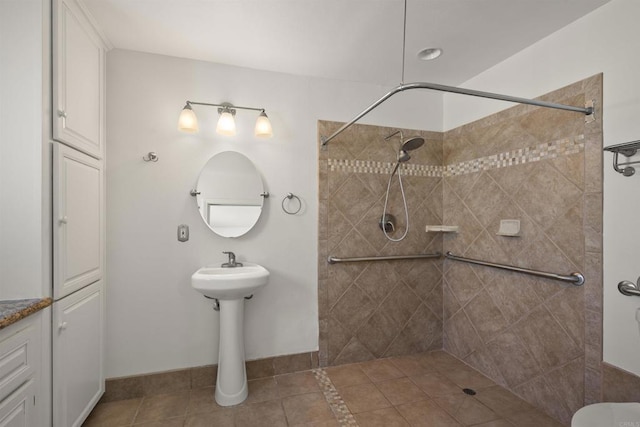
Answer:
(412, 143)
(403, 156)
(408, 144)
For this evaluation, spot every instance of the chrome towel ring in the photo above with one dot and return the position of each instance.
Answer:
(287, 199)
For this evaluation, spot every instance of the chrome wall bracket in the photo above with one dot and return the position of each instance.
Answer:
(591, 107)
(629, 289)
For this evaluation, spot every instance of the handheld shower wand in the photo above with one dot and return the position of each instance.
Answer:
(403, 156)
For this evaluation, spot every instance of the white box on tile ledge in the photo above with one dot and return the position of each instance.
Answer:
(509, 227)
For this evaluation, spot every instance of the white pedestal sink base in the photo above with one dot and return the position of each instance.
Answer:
(231, 385)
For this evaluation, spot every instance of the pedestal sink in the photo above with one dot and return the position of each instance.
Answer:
(229, 286)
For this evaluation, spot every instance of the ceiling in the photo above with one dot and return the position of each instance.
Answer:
(355, 40)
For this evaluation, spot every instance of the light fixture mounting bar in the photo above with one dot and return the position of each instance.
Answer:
(452, 89)
(225, 105)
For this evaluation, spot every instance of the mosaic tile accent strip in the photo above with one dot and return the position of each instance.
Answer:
(550, 150)
(339, 408)
(384, 168)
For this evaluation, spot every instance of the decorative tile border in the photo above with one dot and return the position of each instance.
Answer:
(550, 150)
(384, 168)
(339, 408)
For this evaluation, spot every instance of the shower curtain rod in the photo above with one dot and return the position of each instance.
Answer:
(587, 111)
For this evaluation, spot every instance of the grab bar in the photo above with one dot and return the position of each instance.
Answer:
(576, 278)
(335, 260)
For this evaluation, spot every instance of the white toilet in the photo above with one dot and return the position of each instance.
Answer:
(607, 415)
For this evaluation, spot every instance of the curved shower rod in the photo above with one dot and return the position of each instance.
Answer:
(587, 111)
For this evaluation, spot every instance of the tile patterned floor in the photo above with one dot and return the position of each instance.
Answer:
(419, 390)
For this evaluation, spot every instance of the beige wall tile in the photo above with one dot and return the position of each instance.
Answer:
(485, 316)
(353, 352)
(513, 359)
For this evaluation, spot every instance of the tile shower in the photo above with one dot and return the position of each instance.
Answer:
(538, 338)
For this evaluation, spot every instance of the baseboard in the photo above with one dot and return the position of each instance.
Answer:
(173, 381)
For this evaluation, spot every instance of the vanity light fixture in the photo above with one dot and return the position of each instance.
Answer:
(226, 123)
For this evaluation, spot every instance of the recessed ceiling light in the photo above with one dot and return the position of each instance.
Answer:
(429, 53)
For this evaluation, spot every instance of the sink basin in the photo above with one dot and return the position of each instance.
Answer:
(229, 286)
(230, 283)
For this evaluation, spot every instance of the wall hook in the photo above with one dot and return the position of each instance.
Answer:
(150, 157)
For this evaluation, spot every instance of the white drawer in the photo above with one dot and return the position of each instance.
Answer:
(18, 347)
(17, 409)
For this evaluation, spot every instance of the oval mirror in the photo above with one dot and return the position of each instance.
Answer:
(229, 194)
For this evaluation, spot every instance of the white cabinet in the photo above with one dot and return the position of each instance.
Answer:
(78, 84)
(20, 370)
(78, 216)
(78, 349)
(78, 79)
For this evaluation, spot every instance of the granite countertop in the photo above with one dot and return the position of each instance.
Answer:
(13, 310)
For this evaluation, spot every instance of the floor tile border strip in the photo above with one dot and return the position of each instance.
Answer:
(339, 408)
(545, 151)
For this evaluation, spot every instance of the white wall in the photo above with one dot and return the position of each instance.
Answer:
(604, 41)
(155, 320)
(23, 222)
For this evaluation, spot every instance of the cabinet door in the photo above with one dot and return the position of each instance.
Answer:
(78, 79)
(78, 215)
(78, 355)
(17, 410)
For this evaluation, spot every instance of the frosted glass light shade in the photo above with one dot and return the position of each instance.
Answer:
(226, 124)
(188, 122)
(263, 126)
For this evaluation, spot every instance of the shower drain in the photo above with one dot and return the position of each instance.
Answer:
(469, 391)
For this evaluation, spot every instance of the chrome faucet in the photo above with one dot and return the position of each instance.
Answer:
(232, 261)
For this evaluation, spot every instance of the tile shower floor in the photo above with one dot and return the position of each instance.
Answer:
(420, 390)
